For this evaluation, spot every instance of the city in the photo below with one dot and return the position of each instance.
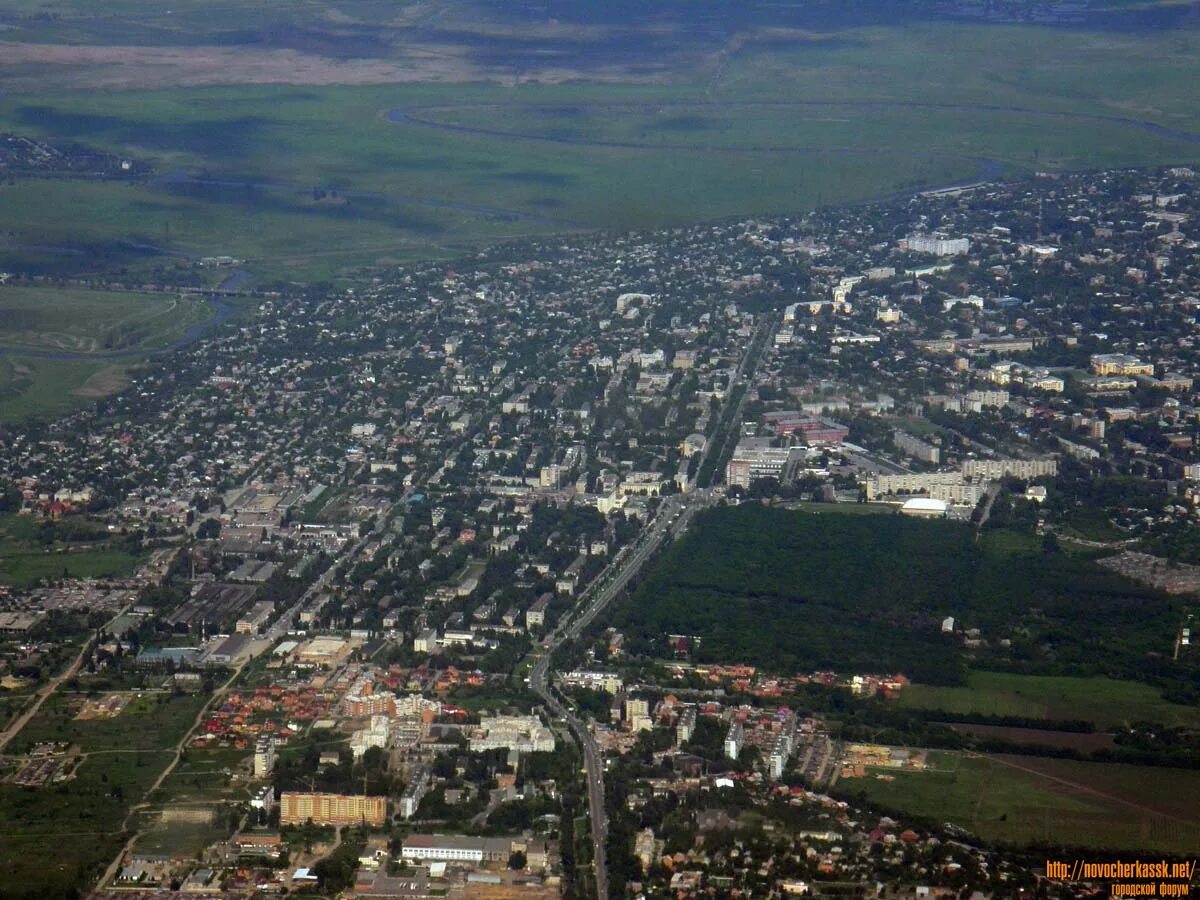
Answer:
(386, 553)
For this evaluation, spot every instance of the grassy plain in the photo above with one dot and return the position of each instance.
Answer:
(1104, 701)
(78, 331)
(770, 128)
(1031, 800)
(90, 322)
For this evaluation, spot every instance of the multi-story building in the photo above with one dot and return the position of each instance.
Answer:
(525, 734)
(1119, 364)
(686, 726)
(916, 448)
(753, 459)
(734, 738)
(296, 808)
(609, 682)
(637, 714)
(264, 756)
(455, 848)
(414, 791)
(938, 246)
(952, 487)
(994, 469)
(535, 616)
(380, 703)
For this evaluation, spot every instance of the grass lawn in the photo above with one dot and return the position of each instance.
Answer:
(178, 838)
(58, 839)
(83, 325)
(81, 321)
(1103, 701)
(24, 569)
(24, 558)
(31, 387)
(151, 723)
(843, 509)
(203, 777)
(1029, 800)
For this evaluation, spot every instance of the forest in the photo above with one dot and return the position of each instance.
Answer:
(793, 592)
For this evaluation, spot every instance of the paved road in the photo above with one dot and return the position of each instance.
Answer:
(731, 421)
(672, 518)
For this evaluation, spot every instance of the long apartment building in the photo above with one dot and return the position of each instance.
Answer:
(993, 469)
(296, 808)
(963, 487)
(949, 486)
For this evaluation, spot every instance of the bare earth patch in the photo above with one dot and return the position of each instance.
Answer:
(104, 383)
(24, 65)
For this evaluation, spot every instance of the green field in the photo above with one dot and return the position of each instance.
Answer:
(775, 128)
(25, 557)
(842, 509)
(56, 839)
(90, 338)
(93, 322)
(1103, 701)
(1029, 800)
(23, 570)
(32, 386)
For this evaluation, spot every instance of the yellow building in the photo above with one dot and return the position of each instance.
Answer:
(1119, 364)
(331, 809)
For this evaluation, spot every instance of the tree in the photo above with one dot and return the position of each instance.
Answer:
(517, 860)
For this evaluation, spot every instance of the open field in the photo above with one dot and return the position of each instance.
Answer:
(62, 347)
(93, 322)
(31, 386)
(22, 570)
(25, 556)
(1100, 700)
(1083, 742)
(81, 819)
(148, 724)
(842, 509)
(1031, 800)
(745, 125)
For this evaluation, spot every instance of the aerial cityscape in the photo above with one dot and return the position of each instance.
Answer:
(599, 450)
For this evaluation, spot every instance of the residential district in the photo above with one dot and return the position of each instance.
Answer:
(370, 522)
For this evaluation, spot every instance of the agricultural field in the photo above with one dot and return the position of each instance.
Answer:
(1102, 701)
(1026, 800)
(32, 549)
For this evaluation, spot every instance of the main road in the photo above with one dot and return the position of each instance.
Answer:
(672, 519)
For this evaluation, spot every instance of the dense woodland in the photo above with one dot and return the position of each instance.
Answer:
(795, 592)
